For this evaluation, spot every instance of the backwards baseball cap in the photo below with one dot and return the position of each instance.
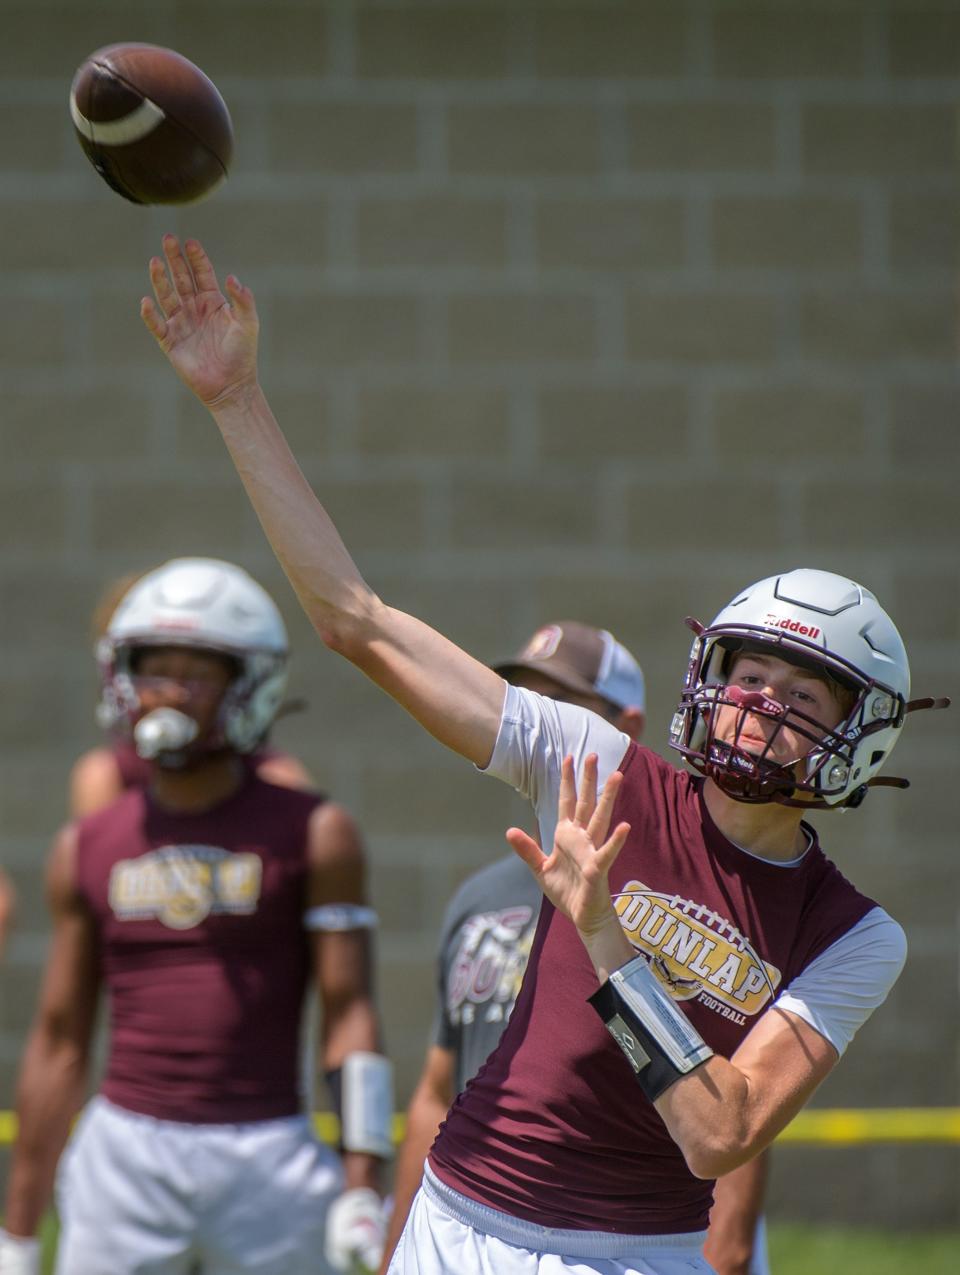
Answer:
(583, 659)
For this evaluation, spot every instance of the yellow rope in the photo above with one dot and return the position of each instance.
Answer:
(836, 1127)
(849, 1126)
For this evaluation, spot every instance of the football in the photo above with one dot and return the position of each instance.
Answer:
(151, 123)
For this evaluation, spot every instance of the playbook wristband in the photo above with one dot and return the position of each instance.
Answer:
(660, 1043)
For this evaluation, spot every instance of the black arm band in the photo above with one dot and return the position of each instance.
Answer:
(334, 1081)
(660, 1042)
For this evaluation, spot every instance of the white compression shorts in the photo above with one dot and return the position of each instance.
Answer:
(446, 1232)
(139, 1196)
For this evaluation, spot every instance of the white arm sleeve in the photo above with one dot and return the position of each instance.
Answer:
(534, 737)
(840, 989)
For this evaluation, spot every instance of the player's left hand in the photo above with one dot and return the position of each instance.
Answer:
(356, 1230)
(574, 875)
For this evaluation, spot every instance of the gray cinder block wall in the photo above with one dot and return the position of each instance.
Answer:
(586, 308)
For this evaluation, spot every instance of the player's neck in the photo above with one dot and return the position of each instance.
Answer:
(200, 787)
(768, 830)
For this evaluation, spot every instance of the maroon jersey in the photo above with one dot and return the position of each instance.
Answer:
(554, 1128)
(202, 949)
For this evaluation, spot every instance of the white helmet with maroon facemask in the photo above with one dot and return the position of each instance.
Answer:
(207, 605)
(824, 623)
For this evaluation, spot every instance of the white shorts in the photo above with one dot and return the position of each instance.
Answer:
(448, 1234)
(139, 1196)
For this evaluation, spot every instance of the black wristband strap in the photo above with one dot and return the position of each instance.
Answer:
(660, 1043)
(334, 1079)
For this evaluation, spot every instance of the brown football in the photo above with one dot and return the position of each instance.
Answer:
(151, 123)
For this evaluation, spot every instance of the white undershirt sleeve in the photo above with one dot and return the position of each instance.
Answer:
(534, 737)
(840, 988)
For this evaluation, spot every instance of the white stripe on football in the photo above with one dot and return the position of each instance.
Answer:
(120, 132)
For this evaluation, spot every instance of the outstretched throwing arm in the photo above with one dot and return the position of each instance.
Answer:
(210, 338)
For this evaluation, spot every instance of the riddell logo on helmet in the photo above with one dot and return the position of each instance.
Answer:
(792, 626)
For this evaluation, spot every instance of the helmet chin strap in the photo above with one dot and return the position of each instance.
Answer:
(892, 781)
(942, 701)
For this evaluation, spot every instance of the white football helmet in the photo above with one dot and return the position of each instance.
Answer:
(213, 606)
(822, 621)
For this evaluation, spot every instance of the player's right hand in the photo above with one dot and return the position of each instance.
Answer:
(210, 339)
(19, 1256)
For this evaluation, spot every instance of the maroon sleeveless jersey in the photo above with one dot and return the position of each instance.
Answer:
(202, 951)
(554, 1129)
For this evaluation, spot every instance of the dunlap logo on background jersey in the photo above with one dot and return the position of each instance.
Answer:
(696, 952)
(487, 970)
(180, 886)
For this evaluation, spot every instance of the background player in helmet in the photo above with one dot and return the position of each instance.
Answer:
(553, 1153)
(205, 906)
(102, 774)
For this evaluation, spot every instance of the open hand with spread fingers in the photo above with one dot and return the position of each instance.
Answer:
(210, 339)
(574, 875)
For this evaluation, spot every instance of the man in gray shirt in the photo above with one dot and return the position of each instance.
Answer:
(485, 941)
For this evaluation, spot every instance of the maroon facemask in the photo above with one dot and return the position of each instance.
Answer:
(746, 770)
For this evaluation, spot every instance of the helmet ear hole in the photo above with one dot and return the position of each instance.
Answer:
(857, 797)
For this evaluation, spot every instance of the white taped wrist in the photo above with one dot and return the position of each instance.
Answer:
(660, 1042)
(367, 1104)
